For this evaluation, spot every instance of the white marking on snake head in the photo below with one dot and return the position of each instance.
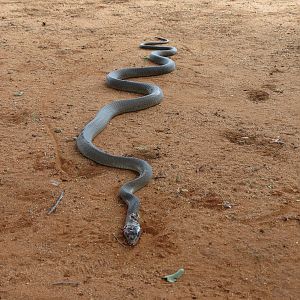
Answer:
(132, 233)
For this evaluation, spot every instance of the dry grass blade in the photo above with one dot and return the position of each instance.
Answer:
(58, 200)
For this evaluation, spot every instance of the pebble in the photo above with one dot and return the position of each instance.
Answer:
(227, 204)
(18, 93)
(57, 130)
(55, 182)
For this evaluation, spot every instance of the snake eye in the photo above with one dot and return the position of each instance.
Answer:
(132, 233)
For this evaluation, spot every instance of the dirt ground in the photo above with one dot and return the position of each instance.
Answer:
(224, 147)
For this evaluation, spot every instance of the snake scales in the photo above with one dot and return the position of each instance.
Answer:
(152, 95)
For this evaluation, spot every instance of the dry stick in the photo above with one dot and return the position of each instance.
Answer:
(53, 208)
(119, 240)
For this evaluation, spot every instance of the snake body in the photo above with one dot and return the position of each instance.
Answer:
(152, 95)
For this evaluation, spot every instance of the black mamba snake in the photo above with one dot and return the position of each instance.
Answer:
(152, 96)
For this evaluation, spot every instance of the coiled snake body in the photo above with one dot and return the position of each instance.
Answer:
(152, 96)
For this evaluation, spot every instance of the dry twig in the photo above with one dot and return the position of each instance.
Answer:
(58, 200)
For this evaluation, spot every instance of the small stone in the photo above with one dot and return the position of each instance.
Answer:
(278, 140)
(57, 130)
(160, 175)
(19, 93)
(70, 139)
(182, 191)
(55, 182)
(227, 204)
(148, 153)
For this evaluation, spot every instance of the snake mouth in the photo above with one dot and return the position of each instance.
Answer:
(132, 233)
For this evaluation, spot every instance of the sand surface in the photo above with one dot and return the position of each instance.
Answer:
(224, 147)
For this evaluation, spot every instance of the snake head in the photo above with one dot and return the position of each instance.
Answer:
(132, 233)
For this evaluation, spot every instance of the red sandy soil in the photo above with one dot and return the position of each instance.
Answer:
(226, 135)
